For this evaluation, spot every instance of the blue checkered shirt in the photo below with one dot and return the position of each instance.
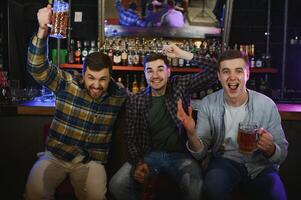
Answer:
(128, 17)
(178, 87)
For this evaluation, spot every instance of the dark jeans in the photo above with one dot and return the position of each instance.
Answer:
(180, 167)
(223, 175)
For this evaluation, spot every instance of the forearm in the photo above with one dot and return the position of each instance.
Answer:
(42, 32)
(195, 143)
(39, 67)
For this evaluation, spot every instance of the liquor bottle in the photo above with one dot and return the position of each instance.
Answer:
(175, 62)
(124, 57)
(78, 53)
(135, 87)
(259, 62)
(5, 95)
(142, 82)
(251, 56)
(93, 47)
(71, 52)
(119, 81)
(136, 57)
(117, 56)
(85, 50)
(130, 57)
(111, 52)
(181, 62)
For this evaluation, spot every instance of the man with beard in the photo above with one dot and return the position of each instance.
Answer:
(156, 138)
(219, 115)
(78, 141)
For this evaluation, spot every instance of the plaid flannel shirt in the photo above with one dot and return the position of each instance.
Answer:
(128, 17)
(81, 125)
(178, 87)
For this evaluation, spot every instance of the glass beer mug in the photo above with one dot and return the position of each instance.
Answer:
(247, 137)
(60, 17)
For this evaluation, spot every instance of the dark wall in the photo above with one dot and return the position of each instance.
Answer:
(22, 24)
(22, 140)
(249, 24)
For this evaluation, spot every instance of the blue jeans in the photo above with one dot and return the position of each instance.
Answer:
(180, 167)
(223, 175)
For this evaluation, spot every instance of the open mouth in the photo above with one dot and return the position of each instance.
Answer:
(233, 86)
(95, 92)
(156, 81)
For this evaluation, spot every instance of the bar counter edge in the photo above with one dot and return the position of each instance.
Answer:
(287, 111)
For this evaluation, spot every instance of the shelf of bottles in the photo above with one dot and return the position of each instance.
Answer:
(127, 55)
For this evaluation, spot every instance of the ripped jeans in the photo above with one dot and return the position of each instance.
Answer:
(180, 167)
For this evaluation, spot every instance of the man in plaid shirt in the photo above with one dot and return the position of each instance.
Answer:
(78, 141)
(129, 17)
(156, 138)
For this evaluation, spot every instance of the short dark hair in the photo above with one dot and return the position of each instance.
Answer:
(155, 56)
(232, 54)
(133, 6)
(97, 61)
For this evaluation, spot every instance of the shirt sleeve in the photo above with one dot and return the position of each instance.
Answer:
(39, 67)
(281, 144)
(202, 80)
(203, 130)
(135, 155)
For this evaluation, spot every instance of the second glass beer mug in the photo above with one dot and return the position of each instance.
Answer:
(59, 19)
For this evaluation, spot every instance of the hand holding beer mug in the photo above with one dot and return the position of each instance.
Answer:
(247, 137)
(59, 19)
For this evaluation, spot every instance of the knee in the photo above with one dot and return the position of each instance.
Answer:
(97, 195)
(33, 193)
(115, 185)
(215, 190)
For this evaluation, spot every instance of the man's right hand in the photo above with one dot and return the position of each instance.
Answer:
(44, 16)
(186, 119)
(173, 51)
(141, 171)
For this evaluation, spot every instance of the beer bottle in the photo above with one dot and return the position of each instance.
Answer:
(111, 52)
(93, 47)
(142, 83)
(136, 58)
(117, 56)
(85, 50)
(130, 57)
(71, 52)
(78, 53)
(135, 87)
(124, 56)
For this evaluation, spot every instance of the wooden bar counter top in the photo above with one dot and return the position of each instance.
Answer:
(287, 111)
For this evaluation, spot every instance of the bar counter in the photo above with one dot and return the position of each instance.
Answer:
(22, 127)
(287, 111)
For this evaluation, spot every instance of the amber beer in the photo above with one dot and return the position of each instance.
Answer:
(59, 19)
(247, 137)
